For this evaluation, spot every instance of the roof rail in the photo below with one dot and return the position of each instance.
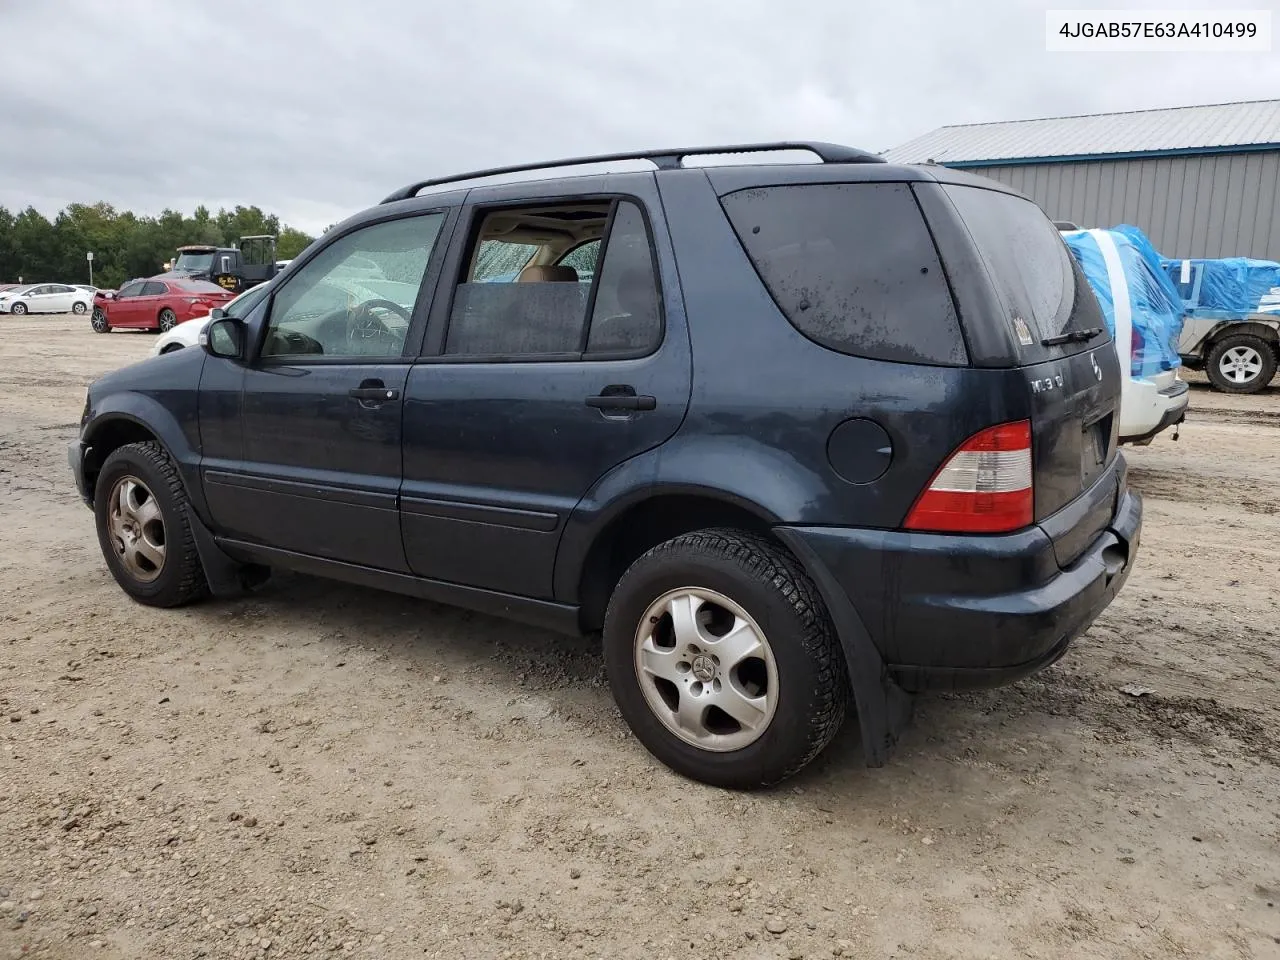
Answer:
(669, 159)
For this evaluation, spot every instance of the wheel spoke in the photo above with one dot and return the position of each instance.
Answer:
(689, 713)
(154, 553)
(684, 618)
(750, 712)
(660, 662)
(740, 643)
(147, 511)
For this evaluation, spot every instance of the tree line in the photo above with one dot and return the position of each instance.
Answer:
(34, 249)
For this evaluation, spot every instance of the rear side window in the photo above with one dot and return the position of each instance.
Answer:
(1029, 265)
(853, 267)
(152, 289)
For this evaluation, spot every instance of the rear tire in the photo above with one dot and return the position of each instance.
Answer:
(79, 308)
(18, 309)
(725, 584)
(1241, 363)
(168, 320)
(141, 508)
(99, 321)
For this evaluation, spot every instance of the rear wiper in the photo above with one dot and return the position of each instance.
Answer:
(1075, 336)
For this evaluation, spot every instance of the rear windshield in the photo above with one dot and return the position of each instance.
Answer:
(1033, 273)
(853, 267)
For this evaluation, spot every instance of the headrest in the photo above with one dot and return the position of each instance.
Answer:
(548, 274)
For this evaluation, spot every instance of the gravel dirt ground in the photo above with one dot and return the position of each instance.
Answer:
(329, 771)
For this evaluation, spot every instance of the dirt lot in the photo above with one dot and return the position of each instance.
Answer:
(324, 770)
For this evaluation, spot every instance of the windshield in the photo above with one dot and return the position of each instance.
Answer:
(195, 262)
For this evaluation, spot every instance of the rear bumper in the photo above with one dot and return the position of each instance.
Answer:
(955, 612)
(1149, 406)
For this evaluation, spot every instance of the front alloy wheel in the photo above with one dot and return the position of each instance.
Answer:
(137, 528)
(99, 321)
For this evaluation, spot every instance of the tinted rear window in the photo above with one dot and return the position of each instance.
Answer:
(1029, 265)
(853, 267)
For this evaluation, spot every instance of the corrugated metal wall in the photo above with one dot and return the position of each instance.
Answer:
(1216, 205)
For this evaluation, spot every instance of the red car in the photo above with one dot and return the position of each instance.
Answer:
(156, 304)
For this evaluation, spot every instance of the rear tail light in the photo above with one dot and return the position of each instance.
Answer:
(984, 487)
(1136, 346)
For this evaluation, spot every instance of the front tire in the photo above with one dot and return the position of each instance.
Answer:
(99, 321)
(141, 511)
(79, 308)
(1241, 363)
(723, 660)
(168, 320)
(18, 309)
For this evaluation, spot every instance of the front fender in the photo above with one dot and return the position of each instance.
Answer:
(744, 473)
(163, 402)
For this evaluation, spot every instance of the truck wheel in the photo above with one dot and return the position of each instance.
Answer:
(99, 321)
(168, 320)
(141, 512)
(1241, 363)
(723, 661)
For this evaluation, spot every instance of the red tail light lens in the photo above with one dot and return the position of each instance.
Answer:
(984, 487)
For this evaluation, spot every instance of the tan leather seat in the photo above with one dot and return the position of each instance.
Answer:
(548, 274)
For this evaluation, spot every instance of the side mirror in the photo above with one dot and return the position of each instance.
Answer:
(224, 337)
(217, 313)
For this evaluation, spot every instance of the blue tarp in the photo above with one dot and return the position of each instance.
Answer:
(1226, 289)
(1123, 257)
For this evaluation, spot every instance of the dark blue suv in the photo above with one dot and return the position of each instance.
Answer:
(792, 436)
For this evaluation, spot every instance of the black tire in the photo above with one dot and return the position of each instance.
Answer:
(181, 577)
(99, 321)
(1241, 345)
(79, 308)
(767, 583)
(168, 320)
(18, 309)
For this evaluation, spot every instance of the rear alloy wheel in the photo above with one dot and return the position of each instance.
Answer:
(79, 308)
(18, 309)
(168, 320)
(723, 661)
(1241, 363)
(99, 321)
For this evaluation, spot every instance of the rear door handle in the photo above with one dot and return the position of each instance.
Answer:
(623, 402)
(375, 393)
(621, 396)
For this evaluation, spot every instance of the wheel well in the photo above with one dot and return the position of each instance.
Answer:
(646, 525)
(108, 438)
(1261, 330)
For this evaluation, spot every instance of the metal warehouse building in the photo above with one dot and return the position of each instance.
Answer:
(1200, 181)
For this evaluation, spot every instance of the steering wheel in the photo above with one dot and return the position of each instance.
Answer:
(363, 325)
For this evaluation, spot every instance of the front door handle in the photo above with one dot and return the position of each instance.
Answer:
(621, 397)
(373, 392)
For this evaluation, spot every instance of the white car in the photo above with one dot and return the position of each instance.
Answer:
(1152, 402)
(46, 298)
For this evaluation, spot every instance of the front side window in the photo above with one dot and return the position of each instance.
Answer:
(129, 290)
(560, 303)
(356, 297)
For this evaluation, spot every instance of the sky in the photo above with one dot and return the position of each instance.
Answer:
(316, 109)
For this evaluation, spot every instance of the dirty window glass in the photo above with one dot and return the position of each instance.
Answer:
(355, 298)
(853, 267)
(1025, 256)
(498, 261)
(627, 318)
